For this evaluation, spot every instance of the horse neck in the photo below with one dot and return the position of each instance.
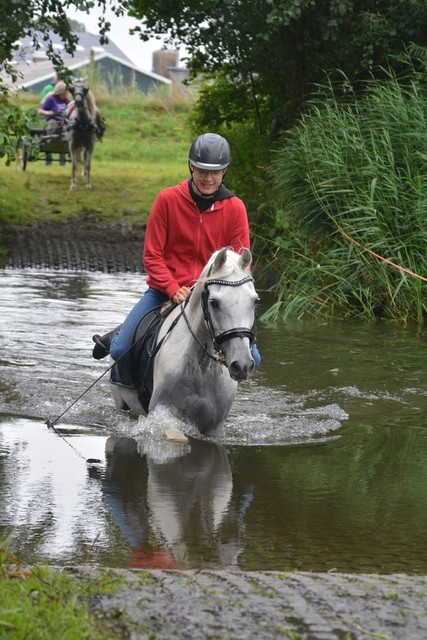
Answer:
(91, 104)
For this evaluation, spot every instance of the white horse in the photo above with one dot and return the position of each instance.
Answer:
(204, 347)
(82, 130)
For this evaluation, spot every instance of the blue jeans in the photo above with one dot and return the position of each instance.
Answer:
(151, 299)
(123, 339)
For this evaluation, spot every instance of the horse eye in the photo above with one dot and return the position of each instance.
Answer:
(214, 303)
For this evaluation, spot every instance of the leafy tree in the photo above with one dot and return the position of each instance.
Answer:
(276, 50)
(37, 18)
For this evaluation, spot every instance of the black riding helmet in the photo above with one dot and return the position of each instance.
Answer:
(210, 152)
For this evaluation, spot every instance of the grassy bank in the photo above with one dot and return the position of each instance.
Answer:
(40, 603)
(144, 149)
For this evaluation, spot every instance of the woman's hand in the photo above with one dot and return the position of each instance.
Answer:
(180, 295)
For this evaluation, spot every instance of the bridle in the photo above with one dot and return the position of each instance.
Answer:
(237, 332)
(218, 340)
(79, 93)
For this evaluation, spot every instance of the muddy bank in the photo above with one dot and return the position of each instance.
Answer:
(196, 605)
(79, 245)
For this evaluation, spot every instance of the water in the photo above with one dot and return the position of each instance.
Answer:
(322, 466)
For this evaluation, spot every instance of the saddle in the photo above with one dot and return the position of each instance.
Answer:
(135, 368)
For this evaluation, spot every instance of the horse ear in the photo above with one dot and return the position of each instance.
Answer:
(220, 259)
(245, 258)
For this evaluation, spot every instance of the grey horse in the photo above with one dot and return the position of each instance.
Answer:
(81, 130)
(205, 347)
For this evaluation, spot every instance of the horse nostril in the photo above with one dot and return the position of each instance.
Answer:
(237, 372)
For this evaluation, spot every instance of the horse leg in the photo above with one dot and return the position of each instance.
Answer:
(83, 162)
(73, 154)
(88, 154)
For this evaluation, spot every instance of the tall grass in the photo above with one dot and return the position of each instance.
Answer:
(358, 166)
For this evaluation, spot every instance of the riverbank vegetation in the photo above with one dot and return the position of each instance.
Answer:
(41, 603)
(349, 230)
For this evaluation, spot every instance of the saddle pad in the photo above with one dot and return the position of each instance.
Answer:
(135, 369)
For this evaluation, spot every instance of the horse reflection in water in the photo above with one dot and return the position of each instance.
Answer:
(174, 504)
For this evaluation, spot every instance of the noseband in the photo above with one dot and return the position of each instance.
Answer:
(238, 332)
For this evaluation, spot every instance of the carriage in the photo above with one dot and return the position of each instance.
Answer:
(44, 141)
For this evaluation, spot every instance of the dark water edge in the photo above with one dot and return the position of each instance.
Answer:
(86, 244)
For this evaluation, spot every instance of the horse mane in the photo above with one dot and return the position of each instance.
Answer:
(91, 104)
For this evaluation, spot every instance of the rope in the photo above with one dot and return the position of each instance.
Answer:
(58, 433)
(51, 423)
(393, 264)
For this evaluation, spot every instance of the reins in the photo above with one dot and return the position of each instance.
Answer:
(220, 358)
(51, 423)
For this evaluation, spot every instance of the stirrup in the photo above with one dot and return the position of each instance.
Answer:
(100, 350)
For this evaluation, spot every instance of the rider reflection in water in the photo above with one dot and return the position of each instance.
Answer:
(187, 223)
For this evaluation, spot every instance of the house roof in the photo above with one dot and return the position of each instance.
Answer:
(36, 69)
(87, 42)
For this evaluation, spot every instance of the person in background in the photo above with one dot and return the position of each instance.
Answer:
(54, 104)
(187, 223)
(48, 88)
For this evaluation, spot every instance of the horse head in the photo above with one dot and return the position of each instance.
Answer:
(228, 301)
(79, 90)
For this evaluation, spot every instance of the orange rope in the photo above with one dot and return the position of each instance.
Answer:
(411, 273)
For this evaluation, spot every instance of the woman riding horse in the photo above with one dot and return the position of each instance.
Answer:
(187, 223)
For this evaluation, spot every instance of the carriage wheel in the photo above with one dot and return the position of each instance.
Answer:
(22, 154)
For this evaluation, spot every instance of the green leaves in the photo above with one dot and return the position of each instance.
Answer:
(14, 123)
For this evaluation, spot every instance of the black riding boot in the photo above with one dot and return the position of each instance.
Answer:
(102, 343)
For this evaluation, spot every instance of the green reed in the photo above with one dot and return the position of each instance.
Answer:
(356, 165)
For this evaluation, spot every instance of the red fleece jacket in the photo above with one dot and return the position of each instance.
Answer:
(179, 240)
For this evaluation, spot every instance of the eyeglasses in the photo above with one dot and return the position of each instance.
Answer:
(205, 174)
